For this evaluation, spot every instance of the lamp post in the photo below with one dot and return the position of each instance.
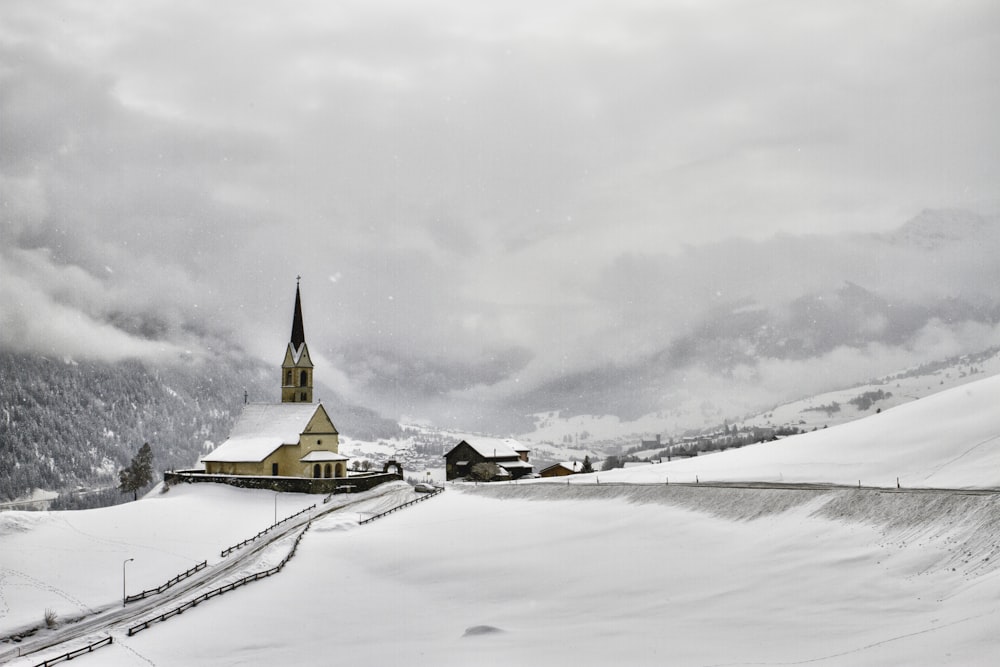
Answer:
(124, 563)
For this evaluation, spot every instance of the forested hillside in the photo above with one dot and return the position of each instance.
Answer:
(65, 424)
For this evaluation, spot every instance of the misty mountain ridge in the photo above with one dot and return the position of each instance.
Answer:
(932, 229)
(558, 436)
(67, 423)
(848, 308)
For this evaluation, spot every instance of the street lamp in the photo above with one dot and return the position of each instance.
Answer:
(124, 563)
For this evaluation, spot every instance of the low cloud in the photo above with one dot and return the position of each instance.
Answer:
(494, 207)
(60, 311)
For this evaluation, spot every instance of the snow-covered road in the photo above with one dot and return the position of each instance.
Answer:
(259, 555)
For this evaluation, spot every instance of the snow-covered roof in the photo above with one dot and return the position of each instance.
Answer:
(320, 455)
(514, 465)
(499, 447)
(262, 428)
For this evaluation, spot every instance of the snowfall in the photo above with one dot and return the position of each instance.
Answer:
(639, 566)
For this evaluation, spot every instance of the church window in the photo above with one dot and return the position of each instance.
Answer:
(316, 471)
(304, 378)
(288, 377)
(274, 469)
(302, 396)
(326, 470)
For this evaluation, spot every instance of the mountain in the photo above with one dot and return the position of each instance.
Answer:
(67, 423)
(555, 436)
(770, 321)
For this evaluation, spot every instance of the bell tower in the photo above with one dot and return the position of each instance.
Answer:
(297, 368)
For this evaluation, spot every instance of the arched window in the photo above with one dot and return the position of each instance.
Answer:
(316, 471)
(304, 378)
(341, 470)
(326, 470)
(288, 378)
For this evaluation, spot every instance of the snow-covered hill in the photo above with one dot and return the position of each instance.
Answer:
(561, 436)
(950, 439)
(548, 573)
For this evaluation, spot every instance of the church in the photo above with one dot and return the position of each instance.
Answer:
(294, 438)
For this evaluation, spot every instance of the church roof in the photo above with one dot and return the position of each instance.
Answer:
(262, 428)
(298, 330)
(320, 455)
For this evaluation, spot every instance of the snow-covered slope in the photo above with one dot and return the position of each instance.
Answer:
(950, 439)
(550, 574)
(553, 430)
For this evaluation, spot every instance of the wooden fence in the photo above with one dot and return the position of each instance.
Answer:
(399, 507)
(176, 611)
(78, 652)
(153, 591)
(226, 552)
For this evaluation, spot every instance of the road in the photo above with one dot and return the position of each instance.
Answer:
(379, 499)
(787, 486)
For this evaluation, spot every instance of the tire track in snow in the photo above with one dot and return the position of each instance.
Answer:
(41, 585)
(120, 640)
(120, 543)
(960, 456)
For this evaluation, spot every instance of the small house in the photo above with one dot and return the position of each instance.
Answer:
(562, 469)
(509, 457)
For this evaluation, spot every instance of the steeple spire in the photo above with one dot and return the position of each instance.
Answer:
(298, 331)
(297, 368)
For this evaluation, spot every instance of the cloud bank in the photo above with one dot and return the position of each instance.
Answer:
(485, 201)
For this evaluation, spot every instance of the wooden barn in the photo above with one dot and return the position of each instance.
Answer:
(562, 469)
(510, 458)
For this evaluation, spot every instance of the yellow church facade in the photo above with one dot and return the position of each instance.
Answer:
(294, 438)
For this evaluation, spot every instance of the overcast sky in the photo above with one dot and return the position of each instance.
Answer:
(457, 183)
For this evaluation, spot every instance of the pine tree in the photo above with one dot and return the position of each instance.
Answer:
(139, 472)
(587, 465)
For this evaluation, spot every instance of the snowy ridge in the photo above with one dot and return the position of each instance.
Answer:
(560, 437)
(948, 440)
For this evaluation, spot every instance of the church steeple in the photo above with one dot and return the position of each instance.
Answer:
(298, 331)
(297, 368)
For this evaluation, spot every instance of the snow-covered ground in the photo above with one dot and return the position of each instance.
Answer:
(950, 439)
(578, 574)
(552, 430)
(72, 562)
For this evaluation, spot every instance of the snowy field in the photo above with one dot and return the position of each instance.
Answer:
(550, 574)
(950, 439)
